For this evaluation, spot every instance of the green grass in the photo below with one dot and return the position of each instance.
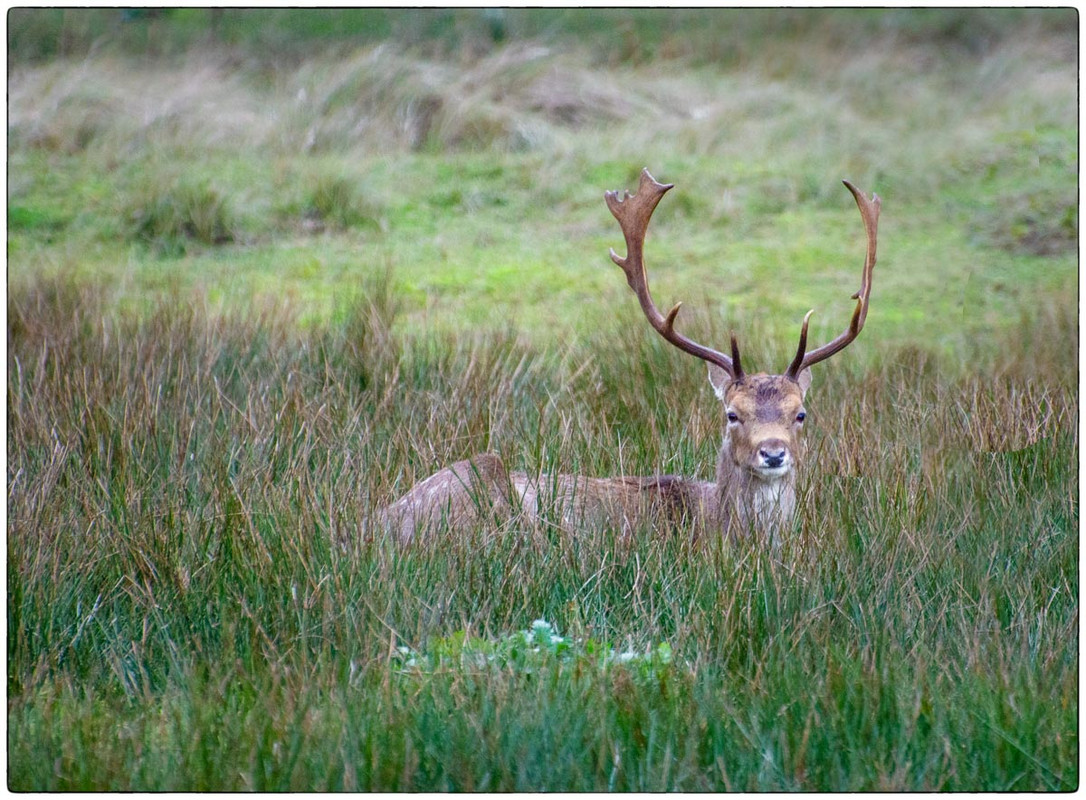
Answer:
(238, 320)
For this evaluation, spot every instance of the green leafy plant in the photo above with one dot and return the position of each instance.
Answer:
(540, 646)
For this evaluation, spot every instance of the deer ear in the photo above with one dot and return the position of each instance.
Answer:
(804, 380)
(719, 379)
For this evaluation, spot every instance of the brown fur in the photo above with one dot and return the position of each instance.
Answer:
(470, 491)
(457, 496)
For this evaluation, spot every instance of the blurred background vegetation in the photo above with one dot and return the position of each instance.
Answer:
(289, 155)
(616, 35)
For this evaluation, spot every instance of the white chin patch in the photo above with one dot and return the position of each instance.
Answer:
(772, 473)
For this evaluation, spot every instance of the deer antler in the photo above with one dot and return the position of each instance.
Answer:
(869, 210)
(633, 214)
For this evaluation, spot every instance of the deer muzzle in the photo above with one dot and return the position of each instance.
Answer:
(773, 458)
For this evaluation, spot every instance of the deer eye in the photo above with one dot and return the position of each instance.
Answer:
(802, 415)
(733, 417)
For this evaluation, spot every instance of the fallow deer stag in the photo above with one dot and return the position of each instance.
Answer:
(755, 481)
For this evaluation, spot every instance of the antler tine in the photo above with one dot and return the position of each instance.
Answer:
(737, 365)
(869, 210)
(633, 214)
(797, 363)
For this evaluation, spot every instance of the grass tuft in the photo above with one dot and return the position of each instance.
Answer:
(172, 218)
(335, 202)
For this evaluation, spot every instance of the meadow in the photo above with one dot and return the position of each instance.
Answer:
(268, 269)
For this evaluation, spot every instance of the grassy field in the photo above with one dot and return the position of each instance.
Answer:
(267, 269)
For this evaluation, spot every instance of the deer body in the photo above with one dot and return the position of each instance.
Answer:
(754, 490)
(481, 488)
(755, 486)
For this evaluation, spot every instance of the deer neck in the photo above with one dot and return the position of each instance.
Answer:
(751, 501)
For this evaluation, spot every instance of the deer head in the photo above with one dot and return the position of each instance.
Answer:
(765, 412)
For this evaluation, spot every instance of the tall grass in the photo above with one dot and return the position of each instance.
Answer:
(194, 602)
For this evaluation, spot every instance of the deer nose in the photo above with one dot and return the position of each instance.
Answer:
(773, 456)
